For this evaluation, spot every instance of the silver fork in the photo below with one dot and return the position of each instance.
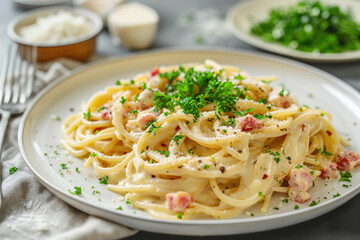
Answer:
(16, 85)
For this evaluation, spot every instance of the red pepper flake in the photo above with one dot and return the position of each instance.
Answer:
(177, 128)
(303, 127)
(154, 72)
(265, 176)
(328, 133)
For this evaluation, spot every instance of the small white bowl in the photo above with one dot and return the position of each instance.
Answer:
(134, 25)
(79, 49)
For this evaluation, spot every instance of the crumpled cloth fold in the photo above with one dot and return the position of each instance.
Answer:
(29, 210)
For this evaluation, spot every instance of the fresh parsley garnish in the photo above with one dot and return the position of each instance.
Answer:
(345, 176)
(63, 166)
(76, 192)
(77, 170)
(128, 201)
(87, 115)
(133, 111)
(206, 166)
(263, 101)
(276, 155)
(93, 154)
(336, 195)
(118, 82)
(260, 117)
(324, 152)
(104, 180)
(166, 153)
(242, 113)
(261, 194)
(179, 215)
(176, 138)
(298, 166)
(123, 100)
(314, 203)
(12, 170)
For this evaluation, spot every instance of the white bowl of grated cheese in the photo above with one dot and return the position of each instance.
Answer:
(57, 32)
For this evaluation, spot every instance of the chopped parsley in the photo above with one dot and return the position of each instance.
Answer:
(314, 203)
(56, 152)
(296, 206)
(206, 166)
(266, 81)
(276, 208)
(151, 126)
(96, 131)
(345, 186)
(119, 208)
(128, 201)
(58, 118)
(87, 115)
(298, 166)
(77, 170)
(104, 180)
(225, 130)
(242, 113)
(118, 82)
(63, 166)
(312, 172)
(191, 151)
(100, 108)
(76, 192)
(166, 153)
(179, 215)
(93, 154)
(285, 200)
(276, 155)
(177, 138)
(345, 176)
(231, 122)
(133, 111)
(258, 116)
(151, 161)
(123, 100)
(96, 192)
(195, 91)
(281, 93)
(263, 101)
(12, 170)
(336, 195)
(136, 97)
(324, 152)
(261, 194)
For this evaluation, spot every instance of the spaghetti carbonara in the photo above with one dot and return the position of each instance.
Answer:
(203, 139)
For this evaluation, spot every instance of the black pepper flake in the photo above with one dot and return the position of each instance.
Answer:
(152, 176)
(147, 147)
(289, 158)
(222, 169)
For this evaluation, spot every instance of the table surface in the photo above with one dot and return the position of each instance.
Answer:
(193, 23)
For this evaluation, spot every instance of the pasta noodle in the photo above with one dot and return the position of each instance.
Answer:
(216, 159)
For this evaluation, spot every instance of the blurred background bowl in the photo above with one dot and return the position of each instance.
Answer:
(80, 48)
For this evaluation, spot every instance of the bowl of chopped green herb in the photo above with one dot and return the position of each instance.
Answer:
(323, 31)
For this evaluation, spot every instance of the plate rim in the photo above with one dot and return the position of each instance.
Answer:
(190, 50)
(349, 56)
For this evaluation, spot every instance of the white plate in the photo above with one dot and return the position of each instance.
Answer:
(242, 16)
(38, 130)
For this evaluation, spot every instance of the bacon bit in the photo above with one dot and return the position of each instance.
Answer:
(177, 128)
(303, 127)
(347, 160)
(179, 202)
(163, 144)
(153, 73)
(248, 123)
(265, 176)
(329, 170)
(105, 114)
(299, 183)
(328, 133)
(145, 118)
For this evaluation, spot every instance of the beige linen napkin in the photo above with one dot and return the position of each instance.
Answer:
(29, 210)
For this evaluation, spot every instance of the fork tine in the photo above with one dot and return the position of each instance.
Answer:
(33, 57)
(24, 76)
(4, 73)
(10, 75)
(16, 76)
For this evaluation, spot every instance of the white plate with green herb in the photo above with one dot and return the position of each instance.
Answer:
(40, 134)
(328, 31)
